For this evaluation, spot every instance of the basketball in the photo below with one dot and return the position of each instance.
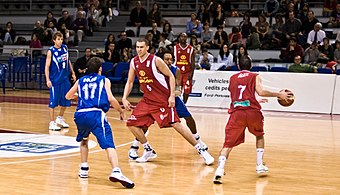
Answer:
(289, 101)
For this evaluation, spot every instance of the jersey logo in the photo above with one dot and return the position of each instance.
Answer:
(141, 73)
(162, 109)
(162, 117)
(132, 118)
(243, 75)
(183, 57)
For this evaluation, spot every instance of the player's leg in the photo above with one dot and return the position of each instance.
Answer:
(186, 133)
(222, 160)
(133, 152)
(84, 153)
(63, 103)
(260, 167)
(52, 104)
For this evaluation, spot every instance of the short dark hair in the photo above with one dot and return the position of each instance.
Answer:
(144, 40)
(245, 63)
(57, 34)
(94, 64)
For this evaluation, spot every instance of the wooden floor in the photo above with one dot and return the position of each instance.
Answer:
(302, 153)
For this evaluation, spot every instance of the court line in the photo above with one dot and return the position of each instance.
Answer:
(57, 157)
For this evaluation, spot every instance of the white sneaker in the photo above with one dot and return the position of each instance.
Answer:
(208, 159)
(218, 176)
(119, 177)
(261, 169)
(147, 155)
(202, 144)
(83, 172)
(61, 121)
(53, 126)
(133, 155)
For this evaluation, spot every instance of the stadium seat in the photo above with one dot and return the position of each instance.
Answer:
(42, 71)
(258, 69)
(234, 68)
(278, 69)
(107, 69)
(20, 69)
(120, 73)
(338, 72)
(3, 70)
(325, 71)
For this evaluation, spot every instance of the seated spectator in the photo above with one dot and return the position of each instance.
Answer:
(153, 45)
(38, 30)
(125, 55)
(334, 20)
(207, 36)
(220, 38)
(109, 39)
(195, 44)
(253, 42)
(111, 55)
(48, 34)
(80, 26)
(242, 52)
(194, 26)
(156, 34)
(292, 26)
(235, 39)
(164, 42)
(326, 52)
(271, 7)
(65, 19)
(35, 44)
(337, 52)
(245, 26)
(317, 35)
(167, 29)
(225, 57)
(291, 51)
(276, 34)
(124, 42)
(298, 67)
(262, 27)
(8, 34)
(206, 59)
(312, 54)
(218, 16)
(138, 16)
(50, 18)
(155, 15)
(93, 18)
(66, 34)
(80, 64)
(104, 12)
(328, 7)
(203, 14)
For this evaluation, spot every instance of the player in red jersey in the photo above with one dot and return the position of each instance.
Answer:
(158, 102)
(185, 60)
(245, 111)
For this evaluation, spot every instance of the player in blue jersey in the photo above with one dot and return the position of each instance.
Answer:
(57, 71)
(181, 109)
(94, 100)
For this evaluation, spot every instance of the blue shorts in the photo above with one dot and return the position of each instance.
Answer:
(93, 120)
(181, 108)
(57, 95)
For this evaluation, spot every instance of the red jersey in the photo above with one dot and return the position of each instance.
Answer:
(183, 58)
(154, 84)
(242, 91)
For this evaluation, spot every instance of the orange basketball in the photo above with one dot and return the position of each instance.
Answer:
(289, 101)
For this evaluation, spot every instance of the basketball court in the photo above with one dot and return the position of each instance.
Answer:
(302, 152)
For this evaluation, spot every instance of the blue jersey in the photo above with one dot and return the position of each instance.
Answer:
(59, 68)
(92, 93)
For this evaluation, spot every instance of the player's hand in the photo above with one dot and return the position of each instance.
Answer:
(122, 115)
(285, 95)
(49, 84)
(74, 78)
(127, 105)
(178, 93)
(263, 100)
(171, 101)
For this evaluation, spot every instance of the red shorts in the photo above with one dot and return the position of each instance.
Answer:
(186, 83)
(145, 115)
(238, 121)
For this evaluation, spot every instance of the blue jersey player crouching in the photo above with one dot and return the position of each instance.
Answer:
(94, 100)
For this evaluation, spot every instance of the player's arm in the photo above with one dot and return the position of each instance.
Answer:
(72, 71)
(178, 89)
(47, 68)
(265, 93)
(164, 69)
(192, 65)
(128, 87)
(72, 92)
(113, 101)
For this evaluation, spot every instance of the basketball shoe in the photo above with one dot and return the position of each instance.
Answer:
(117, 176)
(218, 176)
(61, 121)
(83, 172)
(133, 155)
(208, 159)
(202, 144)
(147, 155)
(261, 169)
(53, 126)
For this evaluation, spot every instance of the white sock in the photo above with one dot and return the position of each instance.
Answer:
(85, 164)
(116, 169)
(135, 143)
(259, 156)
(221, 162)
(197, 137)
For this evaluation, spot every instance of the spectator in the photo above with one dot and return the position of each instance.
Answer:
(299, 6)
(234, 38)
(50, 18)
(317, 35)
(167, 29)
(337, 52)
(80, 8)
(309, 23)
(303, 14)
(80, 67)
(65, 19)
(292, 26)
(327, 51)
(93, 18)
(66, 33)
(109, 39)
(262, 27)
(220, 38)
(124, 42)
(206, 59)
(125, 55)
(155, 15)
(276, 34)
(195, 44)
(271, 7)
(104, 12)
(312, 54)
(156, 34)
(111, 55)
(48, 34)
(194, 26)
(8, 35)
(38, 30)
(207, 36)
(242, 52)
(328, 7)
(334, 20)
(298, 67)
(253, 42)
(245, 26)
(291, 51)
(203, 14)
(164, 42)
(225, 57)
(138, 16)
(218, 17)
(35, 44)
(80, 26)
